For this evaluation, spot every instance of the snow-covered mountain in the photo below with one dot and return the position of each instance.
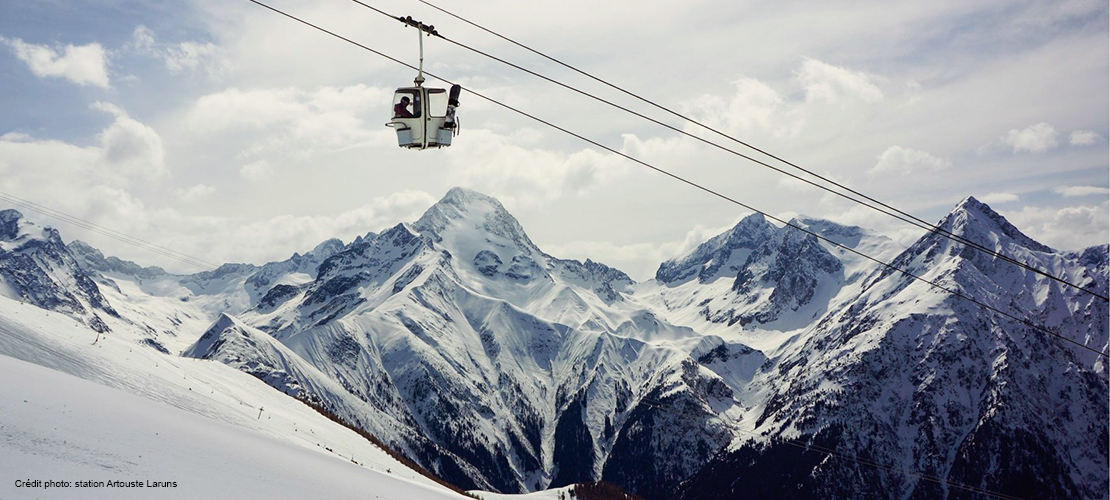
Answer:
(459, 342)
(516, 363)
(722, 256)
(36, 267)
(757, 280)
(952, 401)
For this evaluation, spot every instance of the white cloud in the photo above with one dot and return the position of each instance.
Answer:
(87, 181)
(196, 192)
(224, 239)
(257, 171)
(180, 56)
(109, 108)
(188, 55)
(70, 179)
(755, 106)
(1035, 138)
(16, 137)
(1074, 191)
(292, 121)
(819, 106)
(1068, 228)
(638, 260)
(43, 165)
(825, 82)
(227, 239)
(83, 65)
(131, 148)
(276, 238)
(1084, 138)
(832, 118)
(900, 160)
(998, 198)
(794, 185)
(142, 38)
(235, 109)
(521, 176)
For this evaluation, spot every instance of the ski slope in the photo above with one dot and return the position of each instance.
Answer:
(158, 418)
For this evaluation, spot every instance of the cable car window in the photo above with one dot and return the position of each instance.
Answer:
(406, 104)
(437, 103)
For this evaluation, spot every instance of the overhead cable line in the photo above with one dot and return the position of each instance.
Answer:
(855, 458)
(866, 200)
(111, 233)
(887, 265)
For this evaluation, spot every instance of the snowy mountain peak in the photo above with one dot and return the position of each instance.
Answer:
(785, 273)
(1095, 256)
(976, 221)
(457, 204)
(460, 196)
(207, 346)
(14, 228)
(792, 234)
(36, 266)
(9, 223)
(93, 259)
(722, 255)
(464, 210)
(223, 322)
(840, 233)
(753, 222)
(329, 247)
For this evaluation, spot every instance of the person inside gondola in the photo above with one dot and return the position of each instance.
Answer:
(401, 109)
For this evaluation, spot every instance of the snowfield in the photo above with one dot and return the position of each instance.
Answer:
(165, 418)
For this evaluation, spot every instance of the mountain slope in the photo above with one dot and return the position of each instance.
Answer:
(919, 380)
(158, 417)
(186, 454)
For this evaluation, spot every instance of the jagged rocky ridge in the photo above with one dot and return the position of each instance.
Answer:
(36, 267)
(458, 341)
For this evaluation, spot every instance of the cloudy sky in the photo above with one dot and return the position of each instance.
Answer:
(229, 133)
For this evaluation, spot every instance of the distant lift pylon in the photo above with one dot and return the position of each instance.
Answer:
(424, 117)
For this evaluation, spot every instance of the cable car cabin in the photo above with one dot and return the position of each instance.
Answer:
(424, 117)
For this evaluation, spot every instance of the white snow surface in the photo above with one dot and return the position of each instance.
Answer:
(552, 494)
(57, 427)
(150, 416)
